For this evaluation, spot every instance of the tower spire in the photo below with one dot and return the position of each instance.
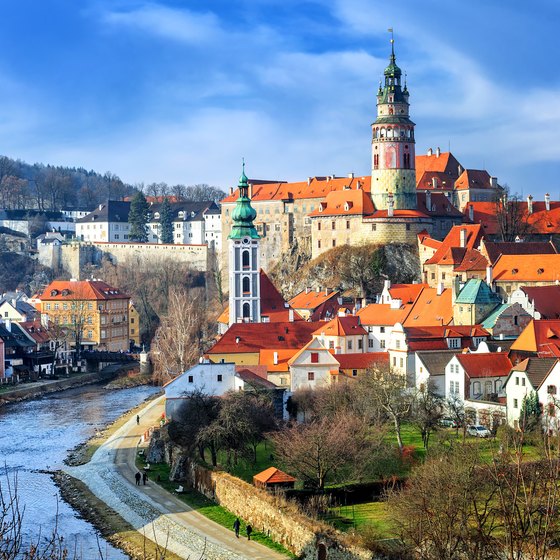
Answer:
(243, 214)
(390, 30)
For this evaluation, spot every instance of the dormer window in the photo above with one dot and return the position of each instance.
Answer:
(182, 214)
(156, 216)
(54, 293)
(322, 206)
(540, 270)
(514, 270)
(65, 292)
(348, 206)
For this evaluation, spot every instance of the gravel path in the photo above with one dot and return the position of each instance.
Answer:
(157, 514)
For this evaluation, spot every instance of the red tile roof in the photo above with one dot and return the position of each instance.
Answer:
(527, 268)
(407, 293)
(345, 203)
(546, 300)
(492, 364)
(266, 359)
(36, 330)
(341, 326)
(495, 249)
(311, 299)
(81, 290)
(382, 314)
(272, 475)
(541, 337)
(254, 337)
(445, 162)
(430, 309)
(434, 337)
(453, 240)
(473, 179)
(440, 206)
(472, 260)
(318, 187)
(361, 361)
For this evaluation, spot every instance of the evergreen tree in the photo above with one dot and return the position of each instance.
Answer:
(531, 412)
(166, 222)
(138, 218)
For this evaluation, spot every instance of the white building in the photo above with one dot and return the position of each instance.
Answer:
(311, 367)
(108, 223)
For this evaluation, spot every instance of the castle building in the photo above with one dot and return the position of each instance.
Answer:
(244, 280)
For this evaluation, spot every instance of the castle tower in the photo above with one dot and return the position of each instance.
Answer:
(393, 164)
(244, 285)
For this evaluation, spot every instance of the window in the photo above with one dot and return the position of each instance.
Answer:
(523, 382)
(370, 343)
(401, 362)
(354, 372)
(331, 344)
(349, 345)
(551, 389)
(318, 244)
(360, 344)
(132, 319)
(319, 226)
(394, 361)
(334, 242)
(515, 403)
(245, 259)
(220, 377)
(191, 379)
(381, 329)
(314, 357)
(333, 225)
(310, 376)
(90, 334)
(454, 342)
(382, 344)
(451, 387)
(347, 224)
(517, 380)
(397, 344)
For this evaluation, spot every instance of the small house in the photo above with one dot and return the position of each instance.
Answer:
(273, 478)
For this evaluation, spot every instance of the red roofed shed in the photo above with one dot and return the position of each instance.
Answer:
(273, 478)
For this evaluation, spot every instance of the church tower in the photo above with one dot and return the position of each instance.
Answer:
(393, 175)
(244, 285)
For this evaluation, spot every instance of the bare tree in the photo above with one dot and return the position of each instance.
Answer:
(427, 411)
(511, 216)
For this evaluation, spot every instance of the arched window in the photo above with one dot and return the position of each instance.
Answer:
(246, 285)
(391, 111)
(246, 311)
(498, 385)
(476, 390)
(389, 133)
(245, 259)
(382, 133)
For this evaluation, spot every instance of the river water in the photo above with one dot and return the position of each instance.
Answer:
(37, 435)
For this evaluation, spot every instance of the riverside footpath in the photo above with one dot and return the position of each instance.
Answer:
(151, 510)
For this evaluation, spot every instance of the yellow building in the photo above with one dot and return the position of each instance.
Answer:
(95, 315)
(133, 324)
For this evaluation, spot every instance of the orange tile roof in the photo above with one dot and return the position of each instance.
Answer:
(541, 221)
(318, 187)
(444, 163)
(266, 358)
(491, 364)
(430, 309)
(539, 336)
(272, 475)
(345, 203)
(382, 314)
(527, 268)
(453, 240)
(400, 214)
(361, 361)
(311, 299)
(81, 290)
(473, 179)
(254, 337)
(341, 326)
(407, 293)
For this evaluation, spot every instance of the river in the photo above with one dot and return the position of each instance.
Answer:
(37, 435)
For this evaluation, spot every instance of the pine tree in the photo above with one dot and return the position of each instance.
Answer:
(166, 223)
(138, 218)
(531, 412)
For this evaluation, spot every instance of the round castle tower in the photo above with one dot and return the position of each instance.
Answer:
(393, 175)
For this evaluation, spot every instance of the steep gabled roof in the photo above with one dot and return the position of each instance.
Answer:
(382, 314)
(527, 268)
(440, 206)
(546, 300)
(477, 291)
(536, 369)
(443, 162)
(495, 249)
(341, 326)
(539, 336)
(493, 364)
(473, 179)
(312, 299)
(436, 360)
(110, 211)
(407, 293)
(445, 253)
(490, 321)
(443, 181)
(430, 309)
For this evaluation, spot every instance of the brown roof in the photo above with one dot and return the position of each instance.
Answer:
(473, 179)
(272, 475)
(536, 369)
(546, 300)
(495, 249)
(436, 360)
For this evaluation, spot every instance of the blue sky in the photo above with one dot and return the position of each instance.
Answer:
(180, 91)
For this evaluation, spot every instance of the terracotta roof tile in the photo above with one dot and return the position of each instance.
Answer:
(527, 268)
(311, 299)
(495, 249)
(445, 162)
(473, 179)
(453, 240)
(430, 309)
(546, 300)
(81, 290)
(492, 364)
(272, 475)
(361, 361)
(382, 314)
(341, 326)
(345, 203)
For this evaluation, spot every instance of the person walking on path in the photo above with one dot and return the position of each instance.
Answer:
(137, 476)
(249, 531)
(145, 478)
(138, 419)
(236, 525)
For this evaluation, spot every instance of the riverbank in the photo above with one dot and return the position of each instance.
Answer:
(37, 389)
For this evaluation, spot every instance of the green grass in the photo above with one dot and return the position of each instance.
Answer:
(246, 468)
(159, 473)
(359, 516)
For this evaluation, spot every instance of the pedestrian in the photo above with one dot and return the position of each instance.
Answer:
(145, 478)
(236, 525)
(138, 419)
(138, 476)
(249, 531)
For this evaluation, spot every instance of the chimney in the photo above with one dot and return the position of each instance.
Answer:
(386, 285)
(463, 237)
(395, 303)
(430, 151)
(275, 358)
(471, 212)
(547, 202)
(440, 288)
(307, 289)
(8, 324)
(237, 340)
(455, 289)
(350, 175)
(291, 315)
(438, 152)
(434, 183)
(390, 204)
(530, 204)
(250, 190)
(489, 275)
(429, 201)
(100, 207)
(308, 181)
(494, 182)
(459, 170)
(326, 291)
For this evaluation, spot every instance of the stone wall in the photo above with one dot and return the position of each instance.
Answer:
(274, 515)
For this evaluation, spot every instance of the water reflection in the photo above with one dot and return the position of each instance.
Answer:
(36, 435)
